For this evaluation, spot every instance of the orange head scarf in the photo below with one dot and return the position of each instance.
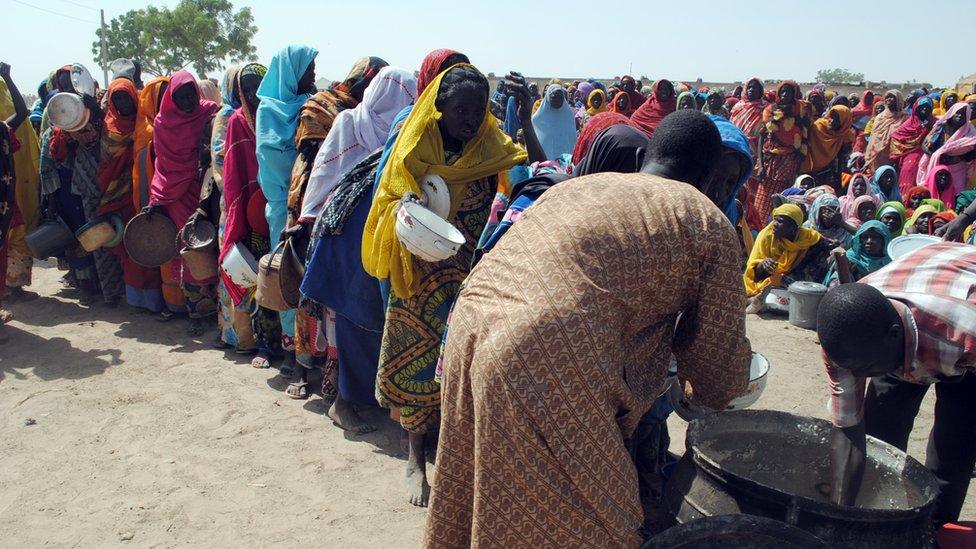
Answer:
(823, 143)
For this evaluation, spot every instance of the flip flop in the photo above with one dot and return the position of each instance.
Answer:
(302, 388)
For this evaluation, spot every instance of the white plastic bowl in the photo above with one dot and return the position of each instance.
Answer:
(906, 244)
(240, 266)
(688, 411)
(778, 301)
(425, 234)
(436, 195)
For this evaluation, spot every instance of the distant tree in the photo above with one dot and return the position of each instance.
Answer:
(201, 33)
(839, 76)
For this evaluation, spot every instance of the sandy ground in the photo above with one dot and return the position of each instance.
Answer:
(118, 430)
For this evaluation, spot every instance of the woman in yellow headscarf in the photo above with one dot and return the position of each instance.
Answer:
(450, 132)
(27, 196)
(946, 101)
(779, 249)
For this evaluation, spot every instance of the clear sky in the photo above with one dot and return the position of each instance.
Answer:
(717, 41)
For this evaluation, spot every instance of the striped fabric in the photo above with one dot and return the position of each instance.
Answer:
(937, 286)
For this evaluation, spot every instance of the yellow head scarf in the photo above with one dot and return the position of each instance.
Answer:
(417, 151)
(786, 253)
(27, 172)
(590, 109)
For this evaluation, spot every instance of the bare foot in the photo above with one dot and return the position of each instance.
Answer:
(418, 490)
(5, 316)
(345, 416)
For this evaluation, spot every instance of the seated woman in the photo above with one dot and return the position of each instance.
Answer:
(782, 251)
(865, 209)
(892, 214)
(802, 184)
(868, 252)
(857, 188)
(825, 218)
(884, 184)
(939, 220)
(918, 223)
(913, 198)
(450, 133)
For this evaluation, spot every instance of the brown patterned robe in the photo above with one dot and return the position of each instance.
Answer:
(559, 342)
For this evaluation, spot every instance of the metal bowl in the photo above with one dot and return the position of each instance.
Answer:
(689, 411)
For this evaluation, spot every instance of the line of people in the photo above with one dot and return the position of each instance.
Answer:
(276, 164)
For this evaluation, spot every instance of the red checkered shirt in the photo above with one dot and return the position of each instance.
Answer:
(934, 291)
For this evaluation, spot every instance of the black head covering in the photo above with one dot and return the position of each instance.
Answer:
(620, 148)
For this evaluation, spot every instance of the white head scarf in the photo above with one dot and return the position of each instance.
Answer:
(357, 132)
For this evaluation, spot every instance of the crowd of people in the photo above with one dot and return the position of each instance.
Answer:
(594, 216)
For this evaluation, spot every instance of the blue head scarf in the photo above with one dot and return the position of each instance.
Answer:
(865, 263)
(277, 122)
(734, 139)
(229, 102)
(555, 128)
(876, 188)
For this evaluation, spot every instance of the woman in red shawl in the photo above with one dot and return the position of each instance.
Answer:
(592, 129)
(620, 104)
(629, 86)
(142, 285)
(661, 103)
(747, 116)
(181, 141)
(913, 197)
(906, 143)
(784, 145)
(256, 327)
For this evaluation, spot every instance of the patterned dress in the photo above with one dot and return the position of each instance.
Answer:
(415, 326)
(559, 343)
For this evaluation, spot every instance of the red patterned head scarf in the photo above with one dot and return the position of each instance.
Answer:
(115, 167)
(432, 65)
(592, 129)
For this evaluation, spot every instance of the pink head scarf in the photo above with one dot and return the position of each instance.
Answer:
(962, 141)
(849, 203)
(176, 141)
(855, 221)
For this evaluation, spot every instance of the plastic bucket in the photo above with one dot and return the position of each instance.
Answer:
(804, 302)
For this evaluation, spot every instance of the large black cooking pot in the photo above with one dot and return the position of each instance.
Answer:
(776, 465)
